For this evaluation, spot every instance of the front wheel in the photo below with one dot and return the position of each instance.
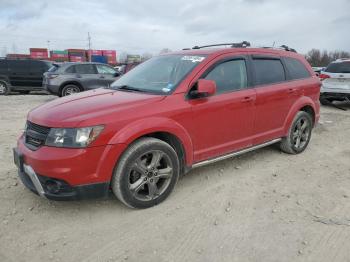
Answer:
(4, 88)
(146, 173)
(299, 134)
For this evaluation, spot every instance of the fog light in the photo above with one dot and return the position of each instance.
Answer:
(52, 186)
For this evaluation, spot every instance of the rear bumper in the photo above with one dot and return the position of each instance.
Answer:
(52, 89)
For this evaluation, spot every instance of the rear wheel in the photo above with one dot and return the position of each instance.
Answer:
(69, 90)
(146, 173)
(4, 88)
(299, 134)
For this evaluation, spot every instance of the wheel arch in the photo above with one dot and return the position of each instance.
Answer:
(164, 129)
(305, 104)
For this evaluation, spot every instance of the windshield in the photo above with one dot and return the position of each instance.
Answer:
(159, 74)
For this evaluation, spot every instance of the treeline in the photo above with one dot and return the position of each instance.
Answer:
(322, 58)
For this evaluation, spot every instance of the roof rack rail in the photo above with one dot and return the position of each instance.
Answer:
(283, 47)
(235, 45)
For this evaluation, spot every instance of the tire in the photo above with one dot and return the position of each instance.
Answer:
(299, 135)
(134, 181)
(24, 92)
(4, 88)
(70, 89)
(325, 101)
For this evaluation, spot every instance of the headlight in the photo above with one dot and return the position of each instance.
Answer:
(73, 137)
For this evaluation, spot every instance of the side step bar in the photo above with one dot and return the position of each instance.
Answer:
(237, 153)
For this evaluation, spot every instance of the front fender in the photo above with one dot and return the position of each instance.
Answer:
(142, 127)
(298, 104)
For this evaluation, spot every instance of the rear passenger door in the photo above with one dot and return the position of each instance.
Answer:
(274, 97)
(87, 75)
(224, 122)
(19, 72)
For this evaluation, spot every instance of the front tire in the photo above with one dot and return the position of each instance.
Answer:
(299, 134)
(146, 173)
(4, 88)
(70, 89)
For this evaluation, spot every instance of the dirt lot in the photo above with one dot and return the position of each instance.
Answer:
(262, 206)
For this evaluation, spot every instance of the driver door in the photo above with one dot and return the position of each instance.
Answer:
(223, 122)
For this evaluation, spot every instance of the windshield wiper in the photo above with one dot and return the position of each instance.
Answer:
(128, 88)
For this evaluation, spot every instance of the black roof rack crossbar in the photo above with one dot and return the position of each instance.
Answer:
(235, 45)
(283, 47)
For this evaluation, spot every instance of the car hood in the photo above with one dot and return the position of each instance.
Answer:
(88, 108)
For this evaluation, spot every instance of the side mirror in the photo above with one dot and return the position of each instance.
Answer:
(206, 87)
(116, 74)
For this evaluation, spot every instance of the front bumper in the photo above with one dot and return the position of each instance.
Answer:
(67, 174)
(56, 189)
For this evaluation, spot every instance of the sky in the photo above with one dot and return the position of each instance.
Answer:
(140, 26)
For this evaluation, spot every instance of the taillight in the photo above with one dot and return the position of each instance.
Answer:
(323, 76)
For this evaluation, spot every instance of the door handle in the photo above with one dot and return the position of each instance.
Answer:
(78, 76)
(247, 99)
(102, 77)
(291, 90)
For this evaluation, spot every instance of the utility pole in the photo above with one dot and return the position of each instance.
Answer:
(89, 43)
(48, 47)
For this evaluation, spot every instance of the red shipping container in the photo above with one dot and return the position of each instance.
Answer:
(39, 53)
(37, 50)
(111, 56)
(77, 59)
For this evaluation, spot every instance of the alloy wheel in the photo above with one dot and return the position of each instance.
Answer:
(150, 175)
(301, 133)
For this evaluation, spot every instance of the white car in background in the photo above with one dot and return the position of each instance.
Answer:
(336, 81)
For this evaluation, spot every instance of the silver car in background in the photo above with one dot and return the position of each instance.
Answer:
(336, 81)
(69, 78)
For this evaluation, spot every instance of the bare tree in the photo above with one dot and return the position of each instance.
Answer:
(164, 51)
(317, 58)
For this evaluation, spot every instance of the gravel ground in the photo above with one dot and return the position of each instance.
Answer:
(262, 206)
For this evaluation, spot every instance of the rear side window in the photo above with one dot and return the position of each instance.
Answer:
(85, 69)
(229, 76)
(338, 67)
(18, 65)
(296, 69)
(268, 71)
(70, 69)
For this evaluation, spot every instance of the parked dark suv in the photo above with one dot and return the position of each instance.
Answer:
(68, 78)
(170, 114)
(22, 75)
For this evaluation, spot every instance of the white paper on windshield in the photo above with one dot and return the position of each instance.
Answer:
(193, 59)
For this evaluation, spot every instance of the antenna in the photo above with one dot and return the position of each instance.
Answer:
(89, 44)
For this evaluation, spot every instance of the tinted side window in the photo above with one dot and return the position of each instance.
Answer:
(268, 71)
(70, 70)
(3, 66)
(296, 69)
(37, 67)
(229, 76)
(19, 65)
(102, 69)
(338, 67)
(85, 69)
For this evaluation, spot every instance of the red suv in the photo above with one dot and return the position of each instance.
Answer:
(172, 113)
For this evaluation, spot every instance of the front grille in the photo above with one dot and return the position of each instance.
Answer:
(35, 135)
